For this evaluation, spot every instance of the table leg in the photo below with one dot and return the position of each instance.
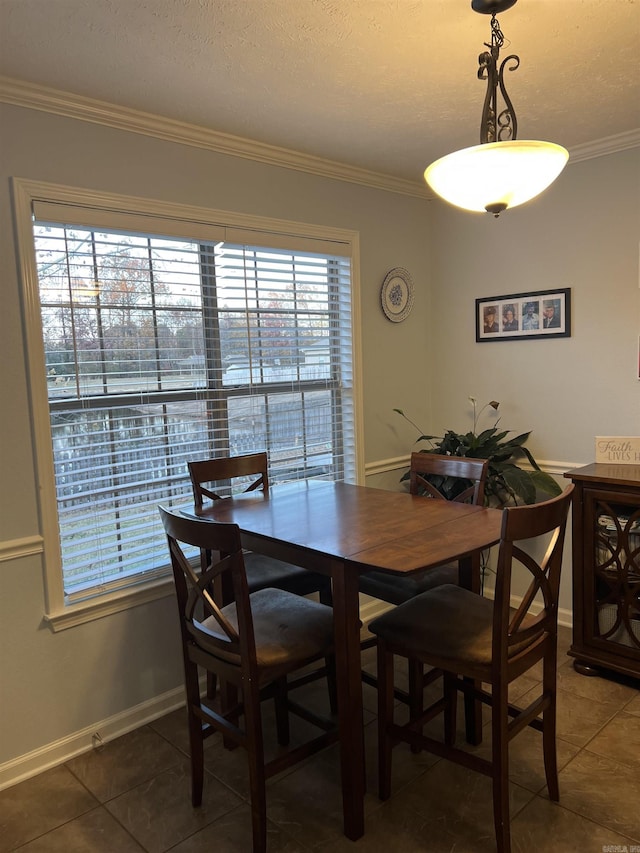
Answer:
(346, 622)
(469, 578)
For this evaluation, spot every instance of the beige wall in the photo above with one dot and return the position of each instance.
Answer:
(90, 673)
(584, 234)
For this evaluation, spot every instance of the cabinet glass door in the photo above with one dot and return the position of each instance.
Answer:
(613, 559)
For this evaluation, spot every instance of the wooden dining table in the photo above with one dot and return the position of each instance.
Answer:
(342, 530)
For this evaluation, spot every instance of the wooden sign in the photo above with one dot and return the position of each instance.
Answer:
(623, 449)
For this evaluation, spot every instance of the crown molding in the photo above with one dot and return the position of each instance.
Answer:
(608, 145)
(34, 96)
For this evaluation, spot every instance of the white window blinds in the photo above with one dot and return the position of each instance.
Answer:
(163, 347)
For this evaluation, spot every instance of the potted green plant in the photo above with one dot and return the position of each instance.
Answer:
(507, 483)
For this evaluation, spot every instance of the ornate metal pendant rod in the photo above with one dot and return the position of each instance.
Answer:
(503, 171)
(496, 127)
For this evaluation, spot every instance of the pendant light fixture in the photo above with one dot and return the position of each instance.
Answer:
(502, 171)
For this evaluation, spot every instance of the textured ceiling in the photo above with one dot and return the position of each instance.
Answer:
(387, 85)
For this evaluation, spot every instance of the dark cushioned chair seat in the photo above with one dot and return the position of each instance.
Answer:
(263, 572)
(453, 625)
(396, 589)
(289, 631)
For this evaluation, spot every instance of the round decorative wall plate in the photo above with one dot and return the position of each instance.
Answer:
(397, 294)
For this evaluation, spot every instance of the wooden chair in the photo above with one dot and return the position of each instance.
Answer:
(473, 639)
(464, 478)
(457, 478)
(253, 643)
(210, 478)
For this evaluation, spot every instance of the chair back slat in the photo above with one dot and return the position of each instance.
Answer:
(534, 619)
(430, 472)
(200, 594)
(225, 470)
(194, 590)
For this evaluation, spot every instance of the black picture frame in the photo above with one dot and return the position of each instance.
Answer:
(532, 315)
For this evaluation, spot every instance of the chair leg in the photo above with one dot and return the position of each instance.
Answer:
(282, 711)
(549, 726)
(500, 761)
(549, 751)
(332, 684)
(416, 693)
(450, 693)
(196, 747)
(325, 594)
(196, 741)
(473, 714)
(257, 780)
(228, 699)
(385, 718)
(212, 685)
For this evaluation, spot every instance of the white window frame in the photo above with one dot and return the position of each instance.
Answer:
(59, 613)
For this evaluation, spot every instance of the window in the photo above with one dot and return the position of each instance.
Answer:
(159, 347)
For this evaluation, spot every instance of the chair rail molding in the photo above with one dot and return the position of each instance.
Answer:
(15, 549)
(397, 463)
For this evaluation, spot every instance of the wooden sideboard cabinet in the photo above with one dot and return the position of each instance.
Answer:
(606, 569)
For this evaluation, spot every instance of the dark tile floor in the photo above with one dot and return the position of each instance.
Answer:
(133, 793)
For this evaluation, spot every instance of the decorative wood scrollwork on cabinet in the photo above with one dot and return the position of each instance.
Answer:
(606, 569)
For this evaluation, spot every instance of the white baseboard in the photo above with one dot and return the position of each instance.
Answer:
(31, 763)
(565, 617)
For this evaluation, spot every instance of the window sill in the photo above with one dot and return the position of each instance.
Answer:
(106, 605)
